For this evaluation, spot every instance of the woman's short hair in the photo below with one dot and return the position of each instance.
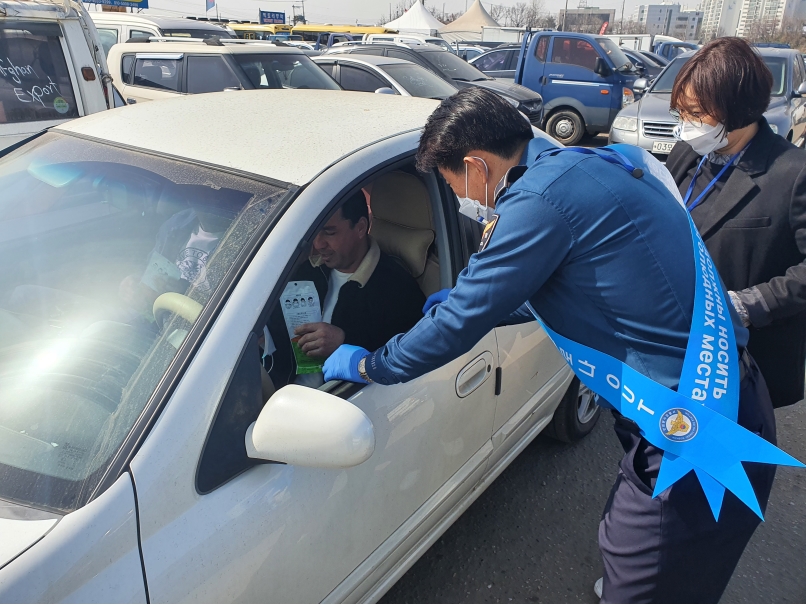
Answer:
(473, 118)
(728, 80)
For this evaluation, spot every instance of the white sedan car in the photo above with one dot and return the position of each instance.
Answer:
(145, 454)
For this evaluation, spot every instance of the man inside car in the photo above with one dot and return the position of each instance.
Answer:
(365, 295)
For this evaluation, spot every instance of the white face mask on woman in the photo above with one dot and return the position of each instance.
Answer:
(472, 208)
(704, 138)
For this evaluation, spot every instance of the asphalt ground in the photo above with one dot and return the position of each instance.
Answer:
(532, 536)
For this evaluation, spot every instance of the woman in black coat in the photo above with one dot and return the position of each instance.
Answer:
(748, 202)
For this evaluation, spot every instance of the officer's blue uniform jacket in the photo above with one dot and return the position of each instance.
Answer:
(604, 259)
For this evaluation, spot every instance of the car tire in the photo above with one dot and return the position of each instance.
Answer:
(576, 415)
(566, 126)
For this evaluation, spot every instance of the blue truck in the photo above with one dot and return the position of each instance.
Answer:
(585, 80)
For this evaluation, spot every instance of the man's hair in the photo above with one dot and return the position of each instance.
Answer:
(473, 118)
(355, 208)
(729, 80)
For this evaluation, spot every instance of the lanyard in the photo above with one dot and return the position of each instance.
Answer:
(696, 425)
(700, 197)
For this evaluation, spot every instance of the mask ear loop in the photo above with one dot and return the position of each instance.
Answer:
(486, 185)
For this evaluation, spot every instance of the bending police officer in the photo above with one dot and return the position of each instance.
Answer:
(605, 261)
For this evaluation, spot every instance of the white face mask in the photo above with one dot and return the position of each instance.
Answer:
(473, 208)
(703, 139)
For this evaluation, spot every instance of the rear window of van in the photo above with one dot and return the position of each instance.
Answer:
(34, 81)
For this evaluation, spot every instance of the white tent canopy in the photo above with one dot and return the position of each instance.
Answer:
(416, 20)
(468, 26)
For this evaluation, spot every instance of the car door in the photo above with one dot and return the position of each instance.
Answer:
(284, 533)
(535, 60)
(570, 79)
(151, 76)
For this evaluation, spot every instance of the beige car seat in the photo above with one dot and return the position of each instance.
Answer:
(403, 226)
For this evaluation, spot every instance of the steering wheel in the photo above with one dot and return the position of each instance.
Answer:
(179, 304)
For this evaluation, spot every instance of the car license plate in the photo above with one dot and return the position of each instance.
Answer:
(664, 147)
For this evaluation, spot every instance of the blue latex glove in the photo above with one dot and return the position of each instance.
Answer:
(343, 364)
(435, 299)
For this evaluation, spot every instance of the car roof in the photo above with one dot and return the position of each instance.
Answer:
(286, 135)
(360, 58)
(161, 21)
(200, 47)
(764, 52)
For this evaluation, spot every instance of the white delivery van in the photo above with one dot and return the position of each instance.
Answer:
(52, 68)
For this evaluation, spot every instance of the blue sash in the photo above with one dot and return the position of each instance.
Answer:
(696, 425)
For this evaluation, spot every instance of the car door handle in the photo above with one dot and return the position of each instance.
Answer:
(474, 374)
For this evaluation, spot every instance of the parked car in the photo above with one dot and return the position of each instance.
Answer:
(649, 124)
(584, 80)
(662, 61)
(52, 71)
(498, 63)
(369, 73)
(452, 69)
(146, 454)
(670, 50)
(119, 27)
(468, 51)
(149, 71)
(647, 68)
(408, 39)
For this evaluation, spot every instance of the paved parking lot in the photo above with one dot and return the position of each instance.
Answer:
(532, 536)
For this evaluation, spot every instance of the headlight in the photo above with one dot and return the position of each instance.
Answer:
(511, 101)
(532, 106)
(774, 128)
(627, 97)
(625, 123)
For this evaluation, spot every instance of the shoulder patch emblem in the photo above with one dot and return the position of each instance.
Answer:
(488, 232)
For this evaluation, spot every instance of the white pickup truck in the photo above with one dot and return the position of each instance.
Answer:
(52, 68)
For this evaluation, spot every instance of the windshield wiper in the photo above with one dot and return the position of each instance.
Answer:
(481, 79)
(460, 79)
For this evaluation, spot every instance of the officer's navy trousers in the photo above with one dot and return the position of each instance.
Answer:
(670, 549)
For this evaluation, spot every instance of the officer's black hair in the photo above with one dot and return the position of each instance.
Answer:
(355, 208)
(473, 118)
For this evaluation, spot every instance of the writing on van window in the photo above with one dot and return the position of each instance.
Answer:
(41, 94)
(16, 72)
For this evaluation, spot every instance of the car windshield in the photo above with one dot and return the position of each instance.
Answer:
(272, 70)
(110, 256)
(453, 67)
(419, 82)
(203, 33)
(666, 79)
(777, 66)
(618, 58)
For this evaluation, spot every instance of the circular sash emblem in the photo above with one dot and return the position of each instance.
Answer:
(678, 424)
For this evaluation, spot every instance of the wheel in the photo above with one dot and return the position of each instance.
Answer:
(566, 126)
(576, 415)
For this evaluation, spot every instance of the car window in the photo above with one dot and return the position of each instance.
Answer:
(777, 65)
(117, 253)
(126, 65)
(618, 58)
(326, 66)
(452, 66)
(34, 81)
(667, 77)
(495, 60)
(419, 82)
(141, 33)
(108, 38)
(117, 98)
(210, 74)
(573, 51)
(356, 78)
(797, 73)
(162, 74)
(541, 48)
(395, 53)
(274, 70)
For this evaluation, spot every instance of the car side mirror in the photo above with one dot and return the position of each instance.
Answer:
(385, 90)
(801, 91)
(640, 85)
(600, 67)
(307, 427)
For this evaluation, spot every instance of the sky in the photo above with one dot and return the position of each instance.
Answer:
(348, 11)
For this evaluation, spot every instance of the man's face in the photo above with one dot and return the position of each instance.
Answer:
(339, 243)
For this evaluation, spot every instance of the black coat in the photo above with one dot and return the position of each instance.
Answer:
(389, 303)
(755, 231)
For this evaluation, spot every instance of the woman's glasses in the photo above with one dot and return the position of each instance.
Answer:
(692, 118)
